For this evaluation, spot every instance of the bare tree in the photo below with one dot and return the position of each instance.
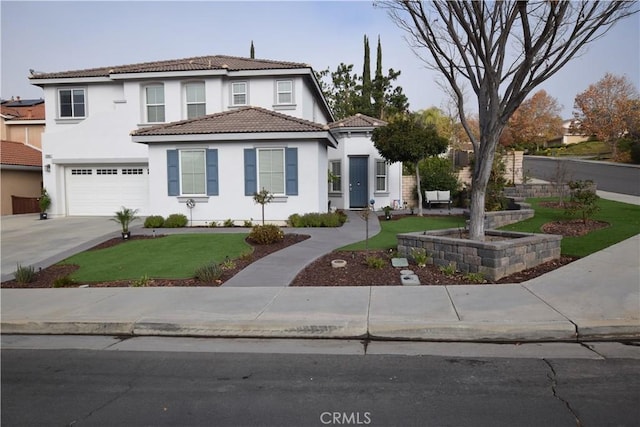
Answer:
(503, 50)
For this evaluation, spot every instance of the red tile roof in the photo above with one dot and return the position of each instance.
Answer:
(23, 112)
(214, 62)
(243, 120)
(19, 154)
(357, 121)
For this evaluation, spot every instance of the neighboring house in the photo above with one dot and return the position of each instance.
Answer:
(22, 123)
(193, 136)
(20, 177)
(358, 173)
(568, 136)
(23, 120)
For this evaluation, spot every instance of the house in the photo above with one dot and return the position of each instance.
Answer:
(197, 136)
(358, 174)
(20, 177)
(569, 135)
(22, 123)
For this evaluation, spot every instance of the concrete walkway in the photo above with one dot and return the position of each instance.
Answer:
(595, 298)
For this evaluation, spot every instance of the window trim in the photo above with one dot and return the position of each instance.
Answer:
(246, 93)
(180, 171)
(386, 176)
(279, 92)
(284, 169)
(187, 103)
(147, 104)
(332, 184)
(59, 103)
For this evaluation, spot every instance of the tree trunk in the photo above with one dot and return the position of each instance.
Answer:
(418, 188)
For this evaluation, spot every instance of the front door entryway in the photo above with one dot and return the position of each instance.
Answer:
(358, 182)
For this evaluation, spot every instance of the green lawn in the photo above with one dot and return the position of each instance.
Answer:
(624, 220)
(587, 148)
(386, 239)
(170, 257)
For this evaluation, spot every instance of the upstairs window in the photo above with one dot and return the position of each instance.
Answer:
(72, 103)
(196, 104)
(239, 93)
(284, 92)
(154, 98)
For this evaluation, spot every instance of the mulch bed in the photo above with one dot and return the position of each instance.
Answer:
(573, 227)
(357, 273)
(46, 277)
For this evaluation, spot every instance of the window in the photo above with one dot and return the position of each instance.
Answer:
(193, 172)
(335, 186)
(239, 93)
(154, 96)
(107, 171)
(72, 103)
(381, 175)
(284, 92)
(196, 104)
(271, 170)
(81, 171)
(138, 171)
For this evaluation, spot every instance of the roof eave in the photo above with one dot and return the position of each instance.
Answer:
(67, 80)
(236, 137)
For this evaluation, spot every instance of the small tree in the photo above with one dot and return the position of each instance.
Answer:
(125, 217)
(263, 197)
(409, 139)
(583, 200)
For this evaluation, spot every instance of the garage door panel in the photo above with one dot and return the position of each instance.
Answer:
(102, 190)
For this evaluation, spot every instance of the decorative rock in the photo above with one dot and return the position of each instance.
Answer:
(338, 263)
(399, 262)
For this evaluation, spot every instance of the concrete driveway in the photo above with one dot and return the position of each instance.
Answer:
(27, 240)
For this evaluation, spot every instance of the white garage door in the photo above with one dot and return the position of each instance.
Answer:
(104, 189)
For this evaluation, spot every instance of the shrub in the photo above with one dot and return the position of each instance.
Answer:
(248, 223)
(635, 152)
(420, 256)
(448, 270)
(474, 277)
(154, 221)
(228, 264)
(333, 219)
(64, 281)
(176, 221)
(375, 262)
(213, 224)
(436, 173)
(24, 274)
(266, 234)
(228, 223)
(209, 273)
(583, 200)
(143, 281)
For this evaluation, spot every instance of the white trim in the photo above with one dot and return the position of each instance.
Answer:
(298, 136)
(10, 122)
(71, 89)
(331, 188)
(233, 94)
(187, 103)
(99, 161)
(147, 104)
(290, 92)
(376, 176)
(284, 169)
(204, 164)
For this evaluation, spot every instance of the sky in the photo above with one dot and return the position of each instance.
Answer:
(61, 36)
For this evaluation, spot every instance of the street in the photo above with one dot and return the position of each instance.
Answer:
(608, 177)
(182, 388)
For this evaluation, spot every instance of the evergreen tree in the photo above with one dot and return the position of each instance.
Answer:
(252, 52)
(365, 104)
(378, 90)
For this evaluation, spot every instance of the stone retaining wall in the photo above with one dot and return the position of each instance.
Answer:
(539, 190)
(494, 259)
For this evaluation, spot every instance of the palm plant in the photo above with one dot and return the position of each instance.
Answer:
(124, 217)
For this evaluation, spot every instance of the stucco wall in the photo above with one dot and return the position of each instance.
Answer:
(18, 183)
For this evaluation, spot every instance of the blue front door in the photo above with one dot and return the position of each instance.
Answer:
(358, 183)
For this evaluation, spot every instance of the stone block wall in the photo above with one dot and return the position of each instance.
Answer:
(539, 190)
(502, 254)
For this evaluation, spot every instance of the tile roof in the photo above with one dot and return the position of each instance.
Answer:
(19, 154)
(243, 120)
(23, 110)
(214, 62)
(357, 121)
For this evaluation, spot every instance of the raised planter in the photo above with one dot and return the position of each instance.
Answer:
(502, 254)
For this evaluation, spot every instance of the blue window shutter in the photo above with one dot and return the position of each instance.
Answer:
(173, 173)
(212, 172)
(291, 161)
(250, 172)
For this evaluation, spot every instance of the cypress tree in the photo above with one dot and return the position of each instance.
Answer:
(378, 85)
(366, 80)
(252, 53)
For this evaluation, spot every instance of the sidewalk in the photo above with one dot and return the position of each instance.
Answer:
(597, 297)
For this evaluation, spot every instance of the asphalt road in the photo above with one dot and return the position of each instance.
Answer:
(608, 177)
(87, 387)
